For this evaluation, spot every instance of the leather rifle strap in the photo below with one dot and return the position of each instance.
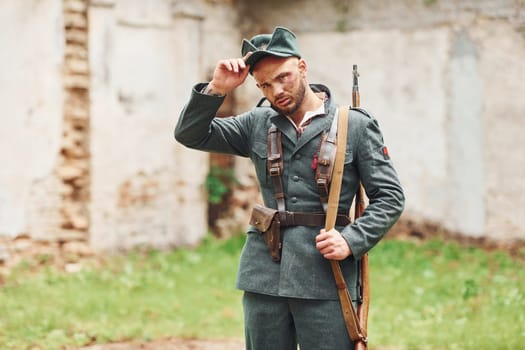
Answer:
(352, 323)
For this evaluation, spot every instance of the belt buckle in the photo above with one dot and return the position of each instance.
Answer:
(290, 216)
(287, 218)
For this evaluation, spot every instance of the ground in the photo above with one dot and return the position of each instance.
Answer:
(70, 259)
(184, 344)
(173, 344)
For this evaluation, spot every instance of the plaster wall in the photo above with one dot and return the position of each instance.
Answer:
(501, 66)
(412, 118)
(145, 56)
(141, 60)
(451, 122)
(444, 81)
(140, 195)
(31, 58)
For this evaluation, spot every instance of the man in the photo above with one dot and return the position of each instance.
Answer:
(291, 298)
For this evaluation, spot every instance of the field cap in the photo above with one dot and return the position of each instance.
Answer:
(281, 43)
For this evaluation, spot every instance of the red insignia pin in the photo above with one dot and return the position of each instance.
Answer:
(314, 162)
(385, 152)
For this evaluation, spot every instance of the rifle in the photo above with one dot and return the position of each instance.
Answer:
(359, 208)
(355, 322)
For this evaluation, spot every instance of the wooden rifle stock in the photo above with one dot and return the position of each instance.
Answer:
(359, 208)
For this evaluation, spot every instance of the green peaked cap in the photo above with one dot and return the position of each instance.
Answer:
(281, 43)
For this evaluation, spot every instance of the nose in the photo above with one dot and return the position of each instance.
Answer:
(277, 89)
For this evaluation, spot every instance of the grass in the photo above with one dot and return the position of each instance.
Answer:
(187, 293)
(433, 295)
(441, 296)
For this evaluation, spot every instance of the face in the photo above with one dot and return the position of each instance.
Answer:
(282, 81)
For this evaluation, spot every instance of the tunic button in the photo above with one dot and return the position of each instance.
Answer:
(294, 199)
(295, 178)
(297, 157)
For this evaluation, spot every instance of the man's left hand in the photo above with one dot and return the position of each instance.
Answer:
(332, 245)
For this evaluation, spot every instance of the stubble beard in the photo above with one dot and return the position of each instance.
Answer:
(297, 100)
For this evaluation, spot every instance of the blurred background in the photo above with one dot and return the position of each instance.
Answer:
(91, 91)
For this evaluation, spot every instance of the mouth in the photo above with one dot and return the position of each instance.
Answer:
(283, 101)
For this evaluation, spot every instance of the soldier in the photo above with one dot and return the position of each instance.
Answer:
(290, 296)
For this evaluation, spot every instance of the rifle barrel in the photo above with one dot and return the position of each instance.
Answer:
(355, 88)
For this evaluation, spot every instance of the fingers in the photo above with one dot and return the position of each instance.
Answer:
(247, 55)
(324, 243)
(323, 237)
(234, 65)
(229, 74)
(332, 245)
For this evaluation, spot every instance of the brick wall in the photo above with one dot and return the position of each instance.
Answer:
(90, 154)
(74, 160)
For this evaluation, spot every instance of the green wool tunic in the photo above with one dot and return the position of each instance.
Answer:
(302, 272)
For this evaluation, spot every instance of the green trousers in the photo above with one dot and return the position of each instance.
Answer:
(277, 323)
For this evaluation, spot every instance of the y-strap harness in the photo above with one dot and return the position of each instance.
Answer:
(324, 168)
(275, 169)
(330, 161)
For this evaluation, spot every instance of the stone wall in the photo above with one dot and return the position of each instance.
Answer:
(91, 91)
(443, 78)
(74, 166)
(349, 15)
(91, 94)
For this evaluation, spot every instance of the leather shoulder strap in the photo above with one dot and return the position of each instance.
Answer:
(352, 322)
(325, 162)
(337, 176)
(275, 165)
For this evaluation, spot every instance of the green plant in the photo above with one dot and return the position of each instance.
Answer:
(429, 2)
(218, 183)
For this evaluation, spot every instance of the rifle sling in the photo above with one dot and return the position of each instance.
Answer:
(352, 322)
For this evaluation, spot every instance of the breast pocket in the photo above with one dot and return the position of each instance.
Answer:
(260, 159)
(349, 158)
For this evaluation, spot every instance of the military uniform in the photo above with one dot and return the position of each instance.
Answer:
(303, 273)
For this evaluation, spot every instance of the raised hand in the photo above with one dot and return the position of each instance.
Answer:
(228, 75)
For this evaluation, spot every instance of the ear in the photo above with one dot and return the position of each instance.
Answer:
(303, 67)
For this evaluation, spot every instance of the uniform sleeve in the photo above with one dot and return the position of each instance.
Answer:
(198, 128)
(382, 187)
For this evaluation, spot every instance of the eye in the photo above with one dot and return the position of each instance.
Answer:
(283, 77)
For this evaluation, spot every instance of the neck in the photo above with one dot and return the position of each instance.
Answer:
(311, 102)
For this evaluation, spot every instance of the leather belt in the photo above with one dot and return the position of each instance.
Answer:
(294, 218)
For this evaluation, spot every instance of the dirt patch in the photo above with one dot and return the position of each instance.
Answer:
(173, 344)
(409, 230)
(184, 344)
